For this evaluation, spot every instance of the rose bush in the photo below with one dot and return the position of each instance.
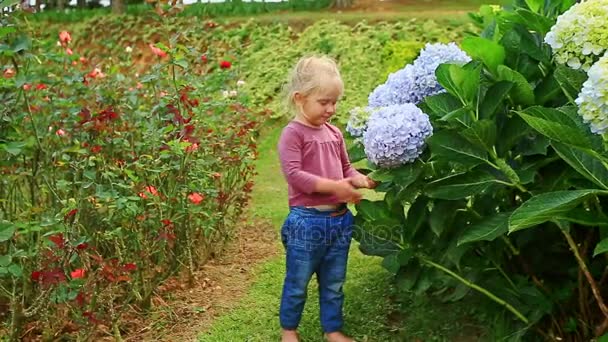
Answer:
(111, 181)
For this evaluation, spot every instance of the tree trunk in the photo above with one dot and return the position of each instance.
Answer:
(119, 7)
(60, 5)
(82, 3)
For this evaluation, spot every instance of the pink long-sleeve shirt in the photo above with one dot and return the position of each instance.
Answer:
(308, 154)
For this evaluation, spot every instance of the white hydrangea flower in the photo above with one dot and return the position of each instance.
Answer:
(357, 121)
(593, 99)
(580, 35)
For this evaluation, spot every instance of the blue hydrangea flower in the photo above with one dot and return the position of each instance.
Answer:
(396, 135)
(357, 121)
(435, 54)
(417, 80)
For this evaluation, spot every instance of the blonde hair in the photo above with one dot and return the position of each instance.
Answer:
(311, 74)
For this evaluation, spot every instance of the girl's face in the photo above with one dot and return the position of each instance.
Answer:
(318, 107)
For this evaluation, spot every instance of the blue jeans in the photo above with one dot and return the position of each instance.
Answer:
(315, 242)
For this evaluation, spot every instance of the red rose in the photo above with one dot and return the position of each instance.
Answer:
(77, 274)
(196, 198)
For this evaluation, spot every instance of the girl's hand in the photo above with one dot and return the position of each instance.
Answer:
(344, 191)
(362, 181)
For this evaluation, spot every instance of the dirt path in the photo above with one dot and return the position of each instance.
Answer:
(181, 313)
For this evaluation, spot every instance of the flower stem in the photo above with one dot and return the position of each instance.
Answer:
(477, 288)
(594, 288)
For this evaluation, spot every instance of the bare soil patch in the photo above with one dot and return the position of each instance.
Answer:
(181, 313)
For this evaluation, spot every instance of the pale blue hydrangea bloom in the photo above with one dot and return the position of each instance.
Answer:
(593, 98)
(579, 36)
(435, 54)
(416, 81)
(357, 121)
(396, 135)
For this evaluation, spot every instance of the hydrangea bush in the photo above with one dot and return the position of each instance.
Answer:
(396, 135)
(417, 80)
(580, 35)
(510, 195)
(593, 99)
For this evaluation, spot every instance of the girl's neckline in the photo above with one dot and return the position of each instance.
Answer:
(307, 126)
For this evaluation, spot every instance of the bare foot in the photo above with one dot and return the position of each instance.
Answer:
(290, 336)
(338, 337)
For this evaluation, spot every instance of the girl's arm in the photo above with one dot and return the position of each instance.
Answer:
(357, 179)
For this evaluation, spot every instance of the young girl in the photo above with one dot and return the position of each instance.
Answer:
(318, 229)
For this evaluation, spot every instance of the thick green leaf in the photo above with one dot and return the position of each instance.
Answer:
(15, 270)
(22, 43)
(453, 147)
(522, 91)
(14, 147)
(535, 21)
(7, 230)
(417, 215)
(403, 176)
(601, 247)
(394, 203)
(490, 53)
(460, 81)
(566, 4)
(548, 206)
(371, 244)
(533, 143)
(375, 211)
(356, 152)
(547, 90)
(407, 174)
(181, 63)
(8, 3)
(570, 80)
(6, 30)
(555, 125)
(511, 130)
(482, 132)
(5, 260)
(460, 185)
(487, 230)
(442, 215)
(535, 5)
(442, 104)
(585, 161)
(493, 98)
(391, 263)
(462, 116)
(408, 276)
(584, 217)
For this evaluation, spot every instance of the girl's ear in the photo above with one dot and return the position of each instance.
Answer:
(298, 97)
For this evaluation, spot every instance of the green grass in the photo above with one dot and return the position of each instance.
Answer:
(269, 197)
(256, 317)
